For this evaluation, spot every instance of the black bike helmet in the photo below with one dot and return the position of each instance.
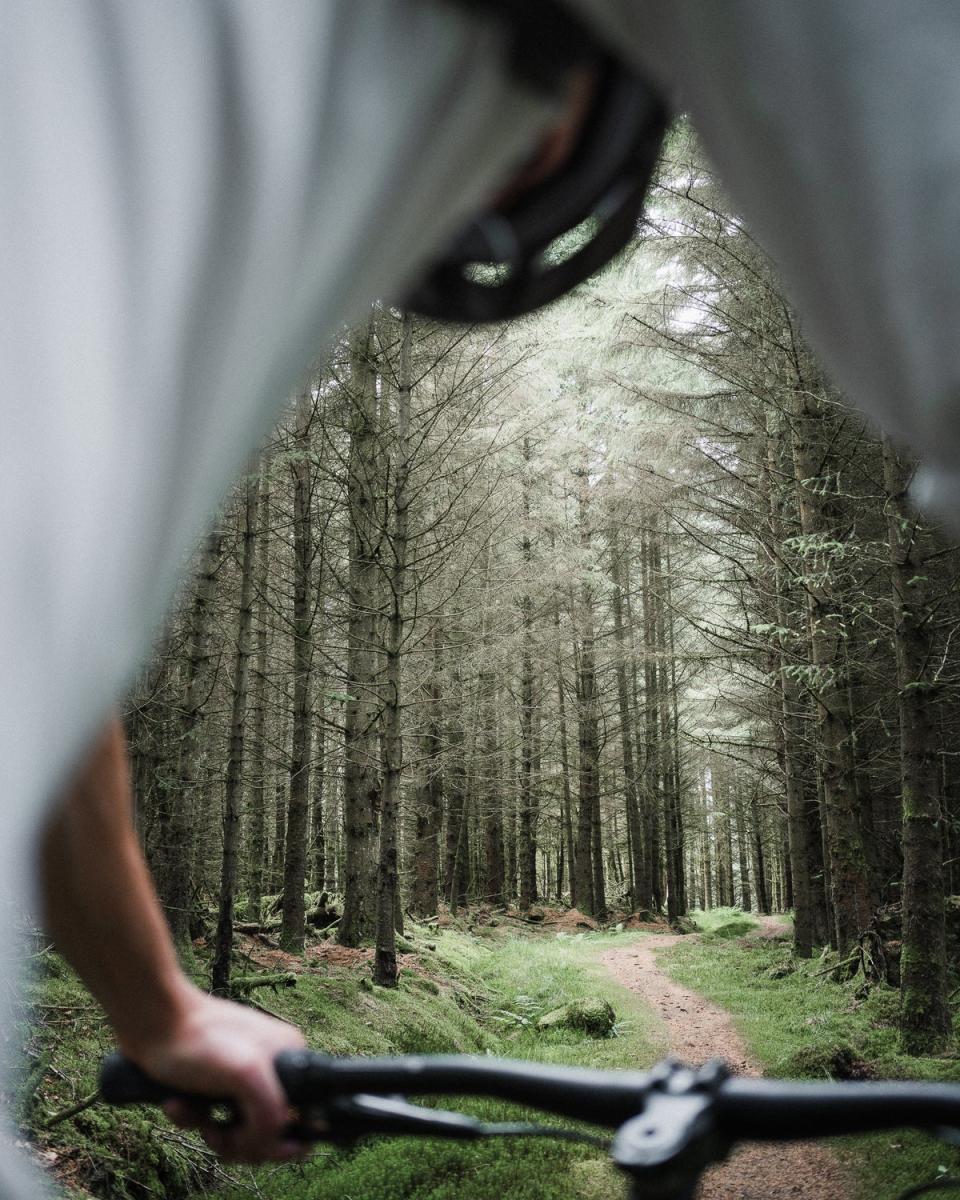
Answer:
(500, 266)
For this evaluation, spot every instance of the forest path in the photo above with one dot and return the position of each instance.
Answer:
(699, 1030)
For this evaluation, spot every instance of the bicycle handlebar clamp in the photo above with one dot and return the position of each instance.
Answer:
(671, 1143)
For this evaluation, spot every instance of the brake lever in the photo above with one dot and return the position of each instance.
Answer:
(357, 1116)
(341, 1120)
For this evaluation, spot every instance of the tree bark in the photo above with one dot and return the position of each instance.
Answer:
(298, 803)
(428, 804)
(587, 872)
(257, 808)
(925, 1020)
(456, 874)
(175, 880)
(630, 784)
(233, 782)
(385, 959)
(527, 850)
(361, 782)
(850, 882)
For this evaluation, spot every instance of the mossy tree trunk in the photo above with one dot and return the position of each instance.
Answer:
(298, 801)
(233, 775)
(925, 1020)
(388, 881)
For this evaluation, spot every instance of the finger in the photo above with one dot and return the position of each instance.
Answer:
(187, 1114)
(232, 1146)
(264, 1109)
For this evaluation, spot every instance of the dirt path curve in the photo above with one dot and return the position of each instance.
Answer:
(698, 1031)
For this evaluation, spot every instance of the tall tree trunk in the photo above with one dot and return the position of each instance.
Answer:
(510, 833)
(175, 880)
(587, 872)
(527, 850)
(925, 1019)
(428, 806)
(760, 882)
(280, 784)
(298, 805)
(786, 723)
(567, 800)
(318, 816)
(677, 762)
(233, 780)
(361, 781)
(651, 880)
(743, 854)
(672, 817)
(852, 902)
(493, 864)
(257, 808)
(457, 862)
(630, 787)
(388, 884)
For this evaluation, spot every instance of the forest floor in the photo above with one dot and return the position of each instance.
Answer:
(480, 984)
(698, 1031)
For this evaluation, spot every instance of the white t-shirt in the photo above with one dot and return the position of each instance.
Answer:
(835, 125)
(194, 196)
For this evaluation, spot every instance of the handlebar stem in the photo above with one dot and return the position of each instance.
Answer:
(670, 1144)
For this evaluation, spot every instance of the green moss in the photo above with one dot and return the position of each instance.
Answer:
(498, 990)
(119, 1154)
(803, 1023)
(595, 1018)
(723, 922)
(465, 996)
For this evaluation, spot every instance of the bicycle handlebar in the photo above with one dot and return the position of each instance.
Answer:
(743, 1109)
(672, 1122)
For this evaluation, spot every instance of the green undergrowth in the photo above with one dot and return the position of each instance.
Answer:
(478, 993)
(500, 988)
(723, 922)
(800, 1023)
(120, 1154)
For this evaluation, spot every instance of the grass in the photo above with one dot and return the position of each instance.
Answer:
(478, 993)
(723, 922)
(801, 1024)
(121, 1154)
(500, 987)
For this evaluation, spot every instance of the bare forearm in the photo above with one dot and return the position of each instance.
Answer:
(100, 905)
(101, 909)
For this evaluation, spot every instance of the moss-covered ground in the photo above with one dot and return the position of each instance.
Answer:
(800, 1023)
(479, 992)
(475, 991)
(499, 987)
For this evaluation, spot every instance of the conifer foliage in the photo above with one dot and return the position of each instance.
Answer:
(620, 607)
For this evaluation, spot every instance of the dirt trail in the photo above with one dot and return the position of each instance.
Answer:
(698, 1031)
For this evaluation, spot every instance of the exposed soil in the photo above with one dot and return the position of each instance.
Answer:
(570, 920)
(320, 954)
(698, 1031)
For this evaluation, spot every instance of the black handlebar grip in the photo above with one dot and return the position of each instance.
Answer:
(123, 1082)
(300, 1073)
